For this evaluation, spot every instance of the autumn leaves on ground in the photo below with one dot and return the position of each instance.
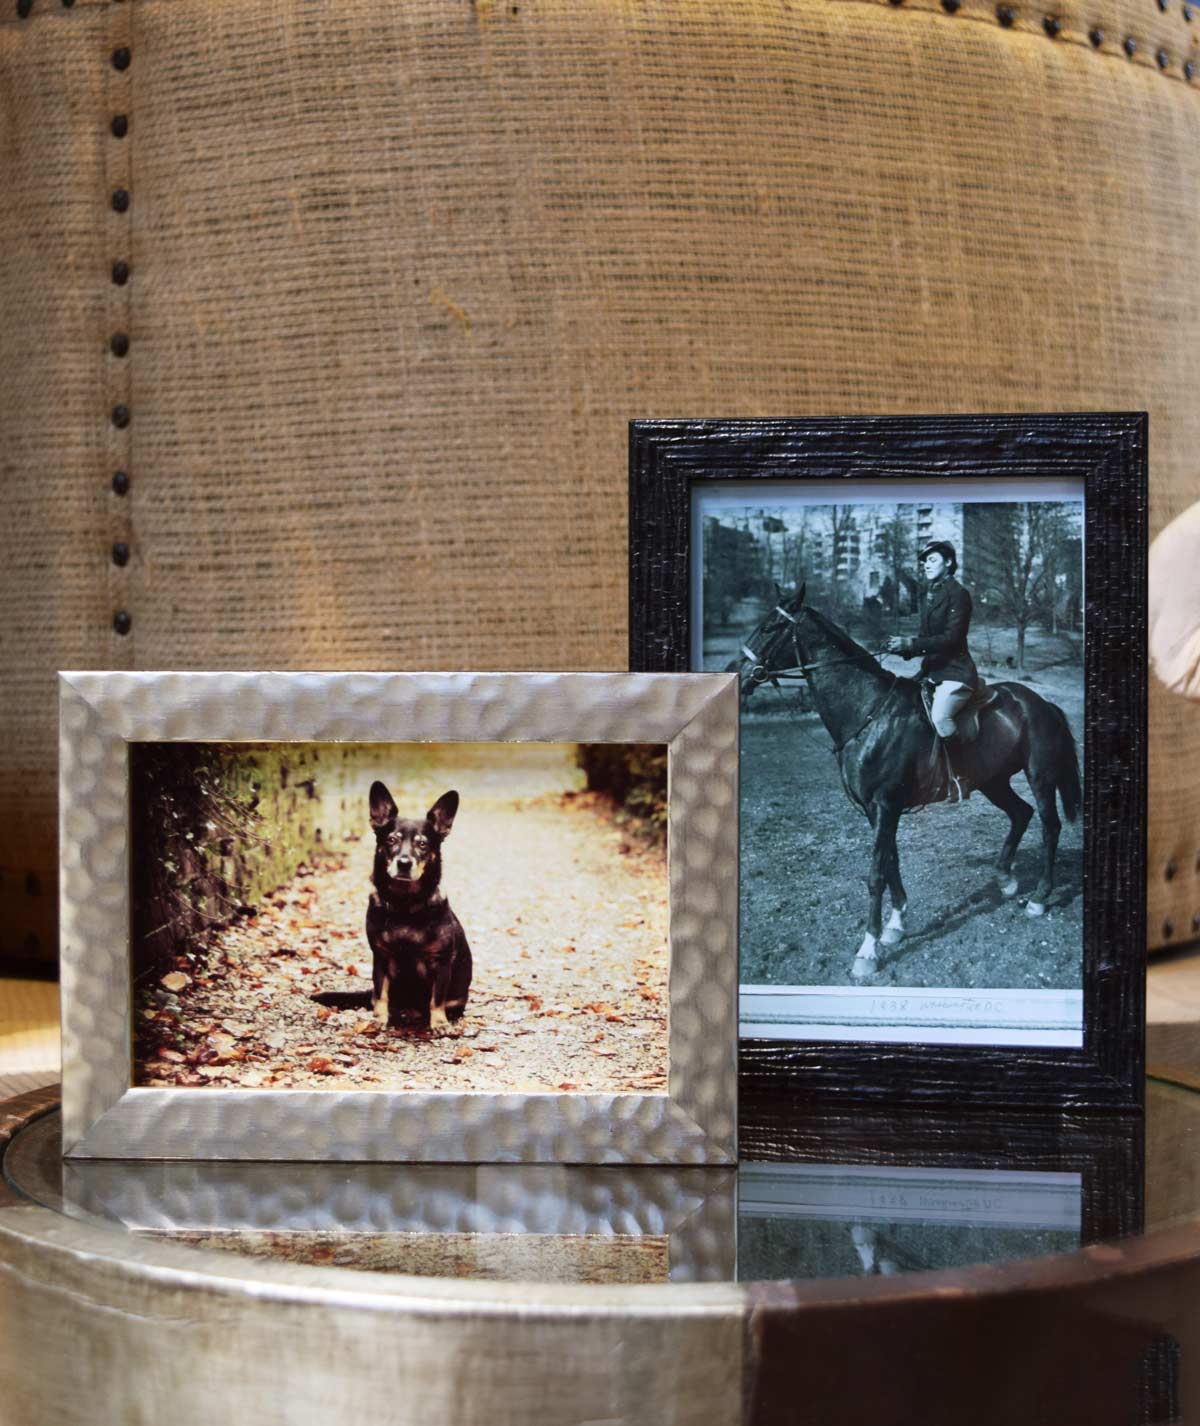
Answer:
(566, 913)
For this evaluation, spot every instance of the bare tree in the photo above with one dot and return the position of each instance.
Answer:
(1031, 550)
(797, 552)
(895, 546)
(1060, 549)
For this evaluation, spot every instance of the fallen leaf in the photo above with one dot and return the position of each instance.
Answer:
(321, 1064)
(175, 981)
(325, 1012)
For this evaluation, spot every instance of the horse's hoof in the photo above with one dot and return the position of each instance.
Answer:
(1009, 887)
(863, 967)
(892, 936)
(1035, 908)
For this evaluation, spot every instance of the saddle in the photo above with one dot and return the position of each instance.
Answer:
(966, 720)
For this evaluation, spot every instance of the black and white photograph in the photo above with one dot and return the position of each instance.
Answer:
(911, 665)
(937, 624)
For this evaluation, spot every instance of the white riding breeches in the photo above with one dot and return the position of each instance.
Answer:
(948, 698)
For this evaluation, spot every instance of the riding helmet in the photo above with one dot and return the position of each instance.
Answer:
(943, 548)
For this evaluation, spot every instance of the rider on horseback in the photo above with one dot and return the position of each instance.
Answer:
(942, 646)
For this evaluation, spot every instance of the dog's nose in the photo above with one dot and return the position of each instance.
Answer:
(404, 863)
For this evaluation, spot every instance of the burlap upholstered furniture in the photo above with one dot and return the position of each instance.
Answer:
(399, 272)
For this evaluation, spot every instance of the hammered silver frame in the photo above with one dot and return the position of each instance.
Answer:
(103, 1116)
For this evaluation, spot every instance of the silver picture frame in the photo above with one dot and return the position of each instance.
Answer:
(105, 1116)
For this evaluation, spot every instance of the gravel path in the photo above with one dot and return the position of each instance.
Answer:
(566, 915)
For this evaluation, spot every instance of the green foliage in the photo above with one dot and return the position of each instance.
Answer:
(634, 776)
(215, 829)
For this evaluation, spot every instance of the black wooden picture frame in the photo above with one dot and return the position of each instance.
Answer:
(1107, 454)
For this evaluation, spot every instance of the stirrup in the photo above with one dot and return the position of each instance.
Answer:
(958, 788)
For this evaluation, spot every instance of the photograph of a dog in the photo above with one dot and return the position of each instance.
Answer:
(406, 916)
(421, 963)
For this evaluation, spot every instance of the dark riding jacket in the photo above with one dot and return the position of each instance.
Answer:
(945, 619)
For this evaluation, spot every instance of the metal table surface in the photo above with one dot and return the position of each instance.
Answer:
(856, 1267)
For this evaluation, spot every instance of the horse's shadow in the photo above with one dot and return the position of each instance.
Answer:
(986, 897)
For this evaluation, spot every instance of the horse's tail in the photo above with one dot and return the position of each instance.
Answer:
(1066, 766)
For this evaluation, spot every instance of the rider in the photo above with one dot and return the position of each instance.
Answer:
(942, 646)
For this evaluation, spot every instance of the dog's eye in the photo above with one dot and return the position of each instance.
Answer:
(421, 844)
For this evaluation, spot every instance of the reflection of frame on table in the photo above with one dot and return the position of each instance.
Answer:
(672, 462)
(103, 1117)
(693, 1209)
(1103, 1155)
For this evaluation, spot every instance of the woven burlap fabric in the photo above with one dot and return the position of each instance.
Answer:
(404, 269)
(52, 433)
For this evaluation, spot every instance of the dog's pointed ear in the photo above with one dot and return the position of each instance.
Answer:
(443, 812)
(383, 809)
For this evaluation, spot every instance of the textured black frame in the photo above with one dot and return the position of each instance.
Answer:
(1107, 452)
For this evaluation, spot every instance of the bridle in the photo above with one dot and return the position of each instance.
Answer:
(761, 673)
(798, 671)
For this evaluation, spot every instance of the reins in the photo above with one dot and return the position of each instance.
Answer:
(800, 670)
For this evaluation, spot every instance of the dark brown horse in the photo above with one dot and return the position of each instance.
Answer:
(890, 761)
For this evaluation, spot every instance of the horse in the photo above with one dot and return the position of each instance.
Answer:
(890, 760)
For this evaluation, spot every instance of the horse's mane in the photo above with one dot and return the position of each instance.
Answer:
(842, 640)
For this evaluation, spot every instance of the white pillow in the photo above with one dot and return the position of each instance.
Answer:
(1174, 634)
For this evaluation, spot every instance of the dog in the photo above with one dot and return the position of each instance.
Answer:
(421, 975)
